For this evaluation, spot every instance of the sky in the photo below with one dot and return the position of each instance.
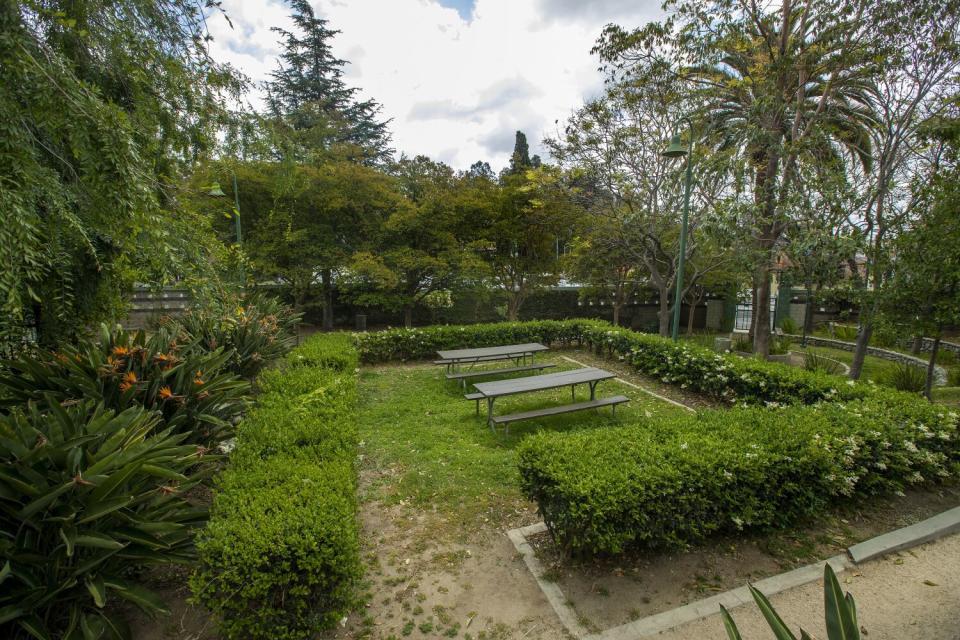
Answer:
(457, 78)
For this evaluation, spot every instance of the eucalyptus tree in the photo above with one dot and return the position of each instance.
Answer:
(780, 83)
(613, 149)
(916, 83)
(105, 106)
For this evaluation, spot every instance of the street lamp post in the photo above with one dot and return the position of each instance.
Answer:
(217, 192)
(676, 150)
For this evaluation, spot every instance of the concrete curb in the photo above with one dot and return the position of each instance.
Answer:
(550, 589)
(914, 535)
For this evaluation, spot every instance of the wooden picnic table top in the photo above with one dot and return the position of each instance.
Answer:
(487, 352)
(513, 386)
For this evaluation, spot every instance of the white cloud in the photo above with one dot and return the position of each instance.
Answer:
(455, 90)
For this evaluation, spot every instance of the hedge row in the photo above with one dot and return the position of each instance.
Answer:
(795, 441)
(280, 557)
(423, 343)
(673, 482)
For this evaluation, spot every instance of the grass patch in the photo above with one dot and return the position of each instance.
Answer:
(874, 368)
(947, 395)
(425, 445)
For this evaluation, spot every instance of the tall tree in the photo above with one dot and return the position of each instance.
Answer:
(781, 84)
(633, 194)
(308, 96)
(917, 79)
(420, 250)
(105, 106)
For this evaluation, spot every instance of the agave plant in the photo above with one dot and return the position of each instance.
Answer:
(840, 613)
(191, 388)
(89, 495)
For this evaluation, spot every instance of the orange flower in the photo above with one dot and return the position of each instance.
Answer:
(197, 380)
(119, 351)
(165, 393)
(129, 379)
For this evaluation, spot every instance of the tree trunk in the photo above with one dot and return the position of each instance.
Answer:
(691, 313)
(408, 316)
(753, 311)
(761, 333)
(932, 366)
(616, 313)
(860, 350)
(326, 278)
(664, 315)
(808, 315)
(513, 307)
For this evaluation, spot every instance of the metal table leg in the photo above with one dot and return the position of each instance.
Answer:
(490, 414)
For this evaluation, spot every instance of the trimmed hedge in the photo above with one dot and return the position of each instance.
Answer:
(280, 557)
(423, 343)
(671, 483)
(795, 441)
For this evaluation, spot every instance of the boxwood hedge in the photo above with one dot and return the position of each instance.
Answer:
(280, 556)
(794, 441)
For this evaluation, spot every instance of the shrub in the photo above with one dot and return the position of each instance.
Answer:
(280, 557)
(678, 481)
(813, 361)
(255, 331)
(191, 388)
(779, 346)
(281, 553)
(844, 332)
(423, 343)
(789, 326)
(743, 344)
(334, 351)
(953, 376)
(88, 495)
(905, 377)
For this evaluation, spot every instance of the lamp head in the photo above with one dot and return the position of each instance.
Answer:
(216, 191)
(676, 148)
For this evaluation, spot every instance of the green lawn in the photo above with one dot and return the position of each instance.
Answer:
(423, 443)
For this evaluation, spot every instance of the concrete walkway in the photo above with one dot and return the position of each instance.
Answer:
(906, 595)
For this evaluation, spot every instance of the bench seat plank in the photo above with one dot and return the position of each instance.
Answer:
(552, 411)
(486, 372)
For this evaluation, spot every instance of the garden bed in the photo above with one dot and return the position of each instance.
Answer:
(607, 592)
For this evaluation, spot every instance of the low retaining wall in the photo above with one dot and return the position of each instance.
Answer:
(939, 373)
(927, 345)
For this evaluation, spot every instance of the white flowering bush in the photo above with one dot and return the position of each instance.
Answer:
(674, 482)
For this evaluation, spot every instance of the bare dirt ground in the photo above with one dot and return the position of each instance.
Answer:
(428, 579)
(611, 592)
(908, 595)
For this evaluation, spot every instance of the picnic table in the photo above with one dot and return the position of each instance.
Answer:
(590, 376)
(456, 358)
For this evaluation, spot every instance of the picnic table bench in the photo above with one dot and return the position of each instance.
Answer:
(591, 376)
(455, 358)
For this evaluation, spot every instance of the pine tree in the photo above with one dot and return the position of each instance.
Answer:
(520, 158)
(308, 95)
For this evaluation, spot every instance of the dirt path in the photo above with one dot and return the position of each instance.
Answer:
(913, 594)
(424, 582)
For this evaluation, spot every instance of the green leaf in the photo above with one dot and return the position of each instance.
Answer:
(45, 500)
(779, 628)
(11, 612)
(35, 627)
(143, 598)
(732, 632)
(98, 541)
(840, 618)
(103, 508)
(97, 589)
